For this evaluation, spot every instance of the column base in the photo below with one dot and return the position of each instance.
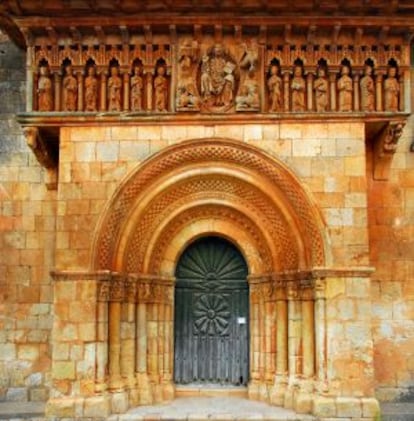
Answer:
(253, 390)
(144, 389)
(168, 390)
(346, 407)
(119, 402)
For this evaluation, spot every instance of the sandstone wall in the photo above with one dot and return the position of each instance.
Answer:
(27, 225)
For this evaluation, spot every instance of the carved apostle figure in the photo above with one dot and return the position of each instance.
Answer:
(91, 90)
(248, 98)
(137, 86)
(160, 89)
(70, 90)
(187, 97)
(367, 90)
(226, 96)
(274, 84)
(344, 86)
(114, 90)
(391, 91)
(321, 88)
(298, 86)
(44, 90)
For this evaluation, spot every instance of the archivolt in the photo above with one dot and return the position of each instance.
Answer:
(252, 191)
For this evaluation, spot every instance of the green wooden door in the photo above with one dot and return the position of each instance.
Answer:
(211, 315)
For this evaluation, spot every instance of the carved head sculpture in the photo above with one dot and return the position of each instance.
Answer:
(137, 70)
(114, 71)
(68, 69)
(274, 69)
(44, 70)
(392, 72)
(321, 72)
(91, 71)
(160, 70)
(345, 70)
(368, 70)
(297, 71)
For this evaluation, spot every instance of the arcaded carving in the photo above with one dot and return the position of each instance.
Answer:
(44, 89)
(274, 85)
(391, 90)
(70, 90)
(321, 88)
(114, 89)
(91, 90)
(160, 89)
(367, 90)
(298, 87)
(187, 96)
(218, 79)
(103, 291)
(183, 72)
(345, 90)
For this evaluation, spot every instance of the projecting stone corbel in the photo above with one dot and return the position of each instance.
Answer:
(385, 148)
(44, 154)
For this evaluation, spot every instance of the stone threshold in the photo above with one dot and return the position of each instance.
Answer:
(22, 410)
(211, 408)
(210, 390)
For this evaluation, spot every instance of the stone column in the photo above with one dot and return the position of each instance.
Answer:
(332, 85)
(102, 351)
(253, 389)
(320, 333)
(144, 387)
(116, 296)
(277, 396)
(304, 398)
(405, 75)
(286, 90)
(148, 78)
(126, 90)
(57, 90)
(103, 90)
(80, 89)
(128, 339)
(294, 342)
(378, 91)
(30, 79)
(167, 378)
(309, 86)
(356, 92)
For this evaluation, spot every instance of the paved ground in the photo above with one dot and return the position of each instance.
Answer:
(26, 410)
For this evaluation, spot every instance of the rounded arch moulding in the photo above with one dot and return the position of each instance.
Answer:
(211, 186)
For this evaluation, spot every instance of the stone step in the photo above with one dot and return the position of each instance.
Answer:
(211, 408)
(403, 411)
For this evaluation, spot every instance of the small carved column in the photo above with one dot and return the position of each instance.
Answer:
(277, 395)
(356, 92)
(254, 341)
(401, 99)
(80, 89)
(308, 333)
(128, 333)
(309, 86)
(57, 82)
(102, 335)
(103, 90)
(30, 79)
(320, 332)
(143, 294)
(168, 387)
(378, 91)
(286, 90)
(332, 85)
(149, 78)
(126, 90)
(116, 296)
